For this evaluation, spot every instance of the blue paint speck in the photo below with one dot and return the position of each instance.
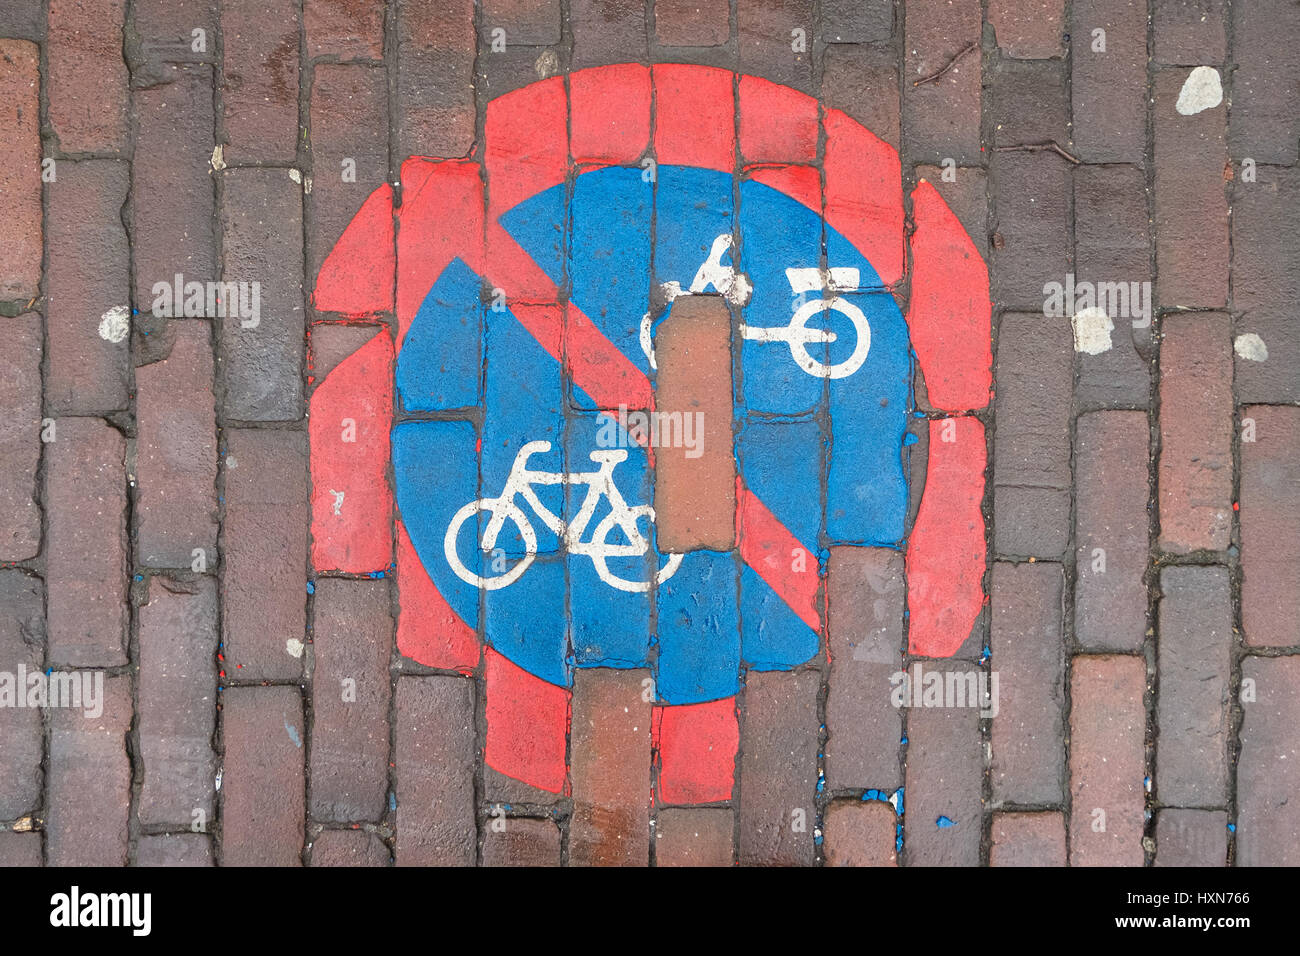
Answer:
(943, 823)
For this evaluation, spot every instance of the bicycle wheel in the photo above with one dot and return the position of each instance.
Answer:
(600, 551)
(510, 512)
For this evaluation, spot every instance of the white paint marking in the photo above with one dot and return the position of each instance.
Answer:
(1092, 328)
(294, 647)
(115, 324)
(1201, 91)
(1250, 347)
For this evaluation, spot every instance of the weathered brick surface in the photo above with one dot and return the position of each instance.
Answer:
(1189, 32)
(525, 22)
(1109, 89)
(1031, 244)
(1270, 526)
(20, 169)
(1107, 724)
(1195, 475)
(349, 848)
(23, 19)
(87, 78)
(860, 833)
(175, 849)
(262, 784)
(260, 92)
(1191, 838)
(607, 31)
(165, 31)
(769, 44)
(863, 82)
(1028, 103)
(1268, 770)
(1028, 30)
(22, 644)
(692, 22)
(177, 689)
(522, 842)
(1028, 839)
(778, 769)
(941, 118)
(19, 849)
(353, 633)
(348, 29)
(435, 771)
(945, 770)
(694, 837)
(1265, 81)
(264, 541)
(86, 560)
(435, 67)
(20, 439)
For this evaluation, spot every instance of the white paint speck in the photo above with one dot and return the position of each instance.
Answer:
(1092, 328)
(294, 647)
(295, 176)
(1201, 91)
(218, 160)
(1250, 347)
(115, 324)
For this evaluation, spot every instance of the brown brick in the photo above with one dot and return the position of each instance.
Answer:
(88, 274)
(23, 19)
(260, 56)
(1191, 207)
(348, 29)
(265, 561)
(164, 30)
(435, 772)
(1189, 32)
(941, 119)
(1270, 527)
(86, 79)
(261, 221)
(262, 813)
(22, 733)
(695, 837)
(607, 31)
(861, 833)
(692, 22)
(1028, 839)
(1107, 727)
(1032, 222)
(20, 438)
(610, 769)
(1109, 89)
(863, 82)
(1268, 771)
(172, 193)
(778, 768)
(945, 770)
(350, 695)
(857, 21)
(19, 849)
(174, 849)
(1031, 456)
(695, 498)
(1110, 526)
(1195, 433)
(86, 564)
(1028, 30)
(523, 842)
(176, 452)
(1265, 81)
(349, 848)
(89, 788)
(435, 72)
(526, 22)
(177, 702)
(1029, 103)
(1193, 666)
(1191, 838)
(1028, 654)
(766, 40)
(865, 596)
(20, 169)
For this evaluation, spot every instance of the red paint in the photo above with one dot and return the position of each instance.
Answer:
(801, 183)
(945, 555)
(777, 124)
(356, 278)
(695, 120)
(356, 398)
(696, 746)
(609, 114)
(527, 724)
(949, 314)
(769, 548)
(864, 194)
(428, 630)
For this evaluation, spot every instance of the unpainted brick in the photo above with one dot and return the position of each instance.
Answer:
(1109, 89)
(260, 92)
(1270, 526)
(1191, 838)
(860, 833)
(941, 118)
(519, 841)
(262, 784)
(1268, 770)
(20, 438)
(349, 848)
(174, 849)
(20, 168)
(22, 733)
(945, 771)
(86, 76)
(778, 768)
(1028, 839)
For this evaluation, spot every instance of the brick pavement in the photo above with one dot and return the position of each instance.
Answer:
(1092, 530)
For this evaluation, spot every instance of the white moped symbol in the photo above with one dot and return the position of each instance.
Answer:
(600, 484)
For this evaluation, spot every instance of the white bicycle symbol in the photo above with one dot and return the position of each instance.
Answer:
(600, 484)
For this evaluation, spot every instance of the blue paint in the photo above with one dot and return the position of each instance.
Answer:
(292, 731)
(943, 823)
(311, 587)
(698, 630)
(438, 366)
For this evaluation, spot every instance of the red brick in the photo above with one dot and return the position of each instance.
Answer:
(264, 585)
(766, 40)
(1107, 759)
(1191, 838)
(88, 274)
(1270, 527)
(177, 702)
(1028, 839)
(349, 848)
(695, 498)
(778, 768)
(435, 772)
(1109, 89)
(1191, 206)
(865, 597)
(165, 32)
(692, 22)
(945, 770)
(1031, 446)
(526, 22)
(1268, 770)
(1028, 654)
(1189, 32)
(176, 452)
(1195, 477)
(348, 29)
(86, 79)
(20, 169)
(522, 842)
(694, 837)
(1265, 81)
(861, 833)
(174, 849)
(942, 118)
(89, 787)
(863, 82)
(19, 849)
(1028, 30)
(353, 634)
(610, 768)
(607, 31)
(262, 242)
(20, 441)
(172, 193)
(1032, 215)
(260, 92)
(86, 561)
(435, 73)
(262, 813)
(1193, 665)
(857, 21)
(22, 733)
